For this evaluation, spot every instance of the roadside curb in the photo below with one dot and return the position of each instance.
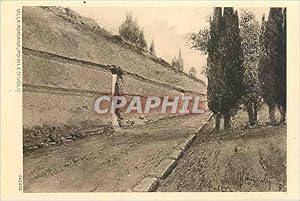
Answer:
(148, 184)
(187, 142)
(205, 124)
(176, 154)
(152, 180)
(164, 168)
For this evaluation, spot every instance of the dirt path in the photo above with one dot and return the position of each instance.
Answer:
(115, 162)
(240, 160)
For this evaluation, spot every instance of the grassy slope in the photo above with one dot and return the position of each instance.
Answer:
(239, 160)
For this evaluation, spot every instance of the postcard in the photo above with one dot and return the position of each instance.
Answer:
(150, 100)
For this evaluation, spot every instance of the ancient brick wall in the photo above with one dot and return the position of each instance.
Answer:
(66, 66)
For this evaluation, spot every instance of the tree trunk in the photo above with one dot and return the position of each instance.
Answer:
(250, 114)
(272, 113)
(255, 113)
(218, 122)
(227, 122)
(283, 114)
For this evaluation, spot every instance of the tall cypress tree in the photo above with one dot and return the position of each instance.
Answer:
(272, 70)
(233, 65)
(250, 31)
(215, 65)
(225, 65)
(281, 67)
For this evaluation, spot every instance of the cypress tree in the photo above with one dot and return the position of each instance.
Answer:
(272, 70)
(131, 32)
(233, 65)
(281, 68)
(180, 61)
(141, 41)
(215, 65)
(152, 48)
(250, 31)
(225, 71)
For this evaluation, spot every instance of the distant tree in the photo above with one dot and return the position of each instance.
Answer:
(273, 62)
(174, 63)
(193, 71)
(204, 70)
(141, 43)
(250, 32)
(152, 48)
(130, 31)
(128, 28)
(180, 61)
(177, 63)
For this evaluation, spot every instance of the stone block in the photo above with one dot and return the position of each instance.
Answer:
(148, 184)
(164, 168)
(176, 154)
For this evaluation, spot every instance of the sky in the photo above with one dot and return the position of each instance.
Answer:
(167, 26)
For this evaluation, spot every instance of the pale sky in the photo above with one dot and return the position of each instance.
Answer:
(168, 26)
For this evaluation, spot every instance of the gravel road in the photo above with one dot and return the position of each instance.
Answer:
(113, 162)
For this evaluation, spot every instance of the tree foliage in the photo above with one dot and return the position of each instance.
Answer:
(215, 63)
(250, 32)
(225, 67)
(193, 71)
(152, 48)
(249, 62)
(131, 32)
(177, 63)
(272, 66)
(225, 64)
(281, 68)
(199, 41)
(233, 64)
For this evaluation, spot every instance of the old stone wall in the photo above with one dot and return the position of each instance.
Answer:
(66, 66)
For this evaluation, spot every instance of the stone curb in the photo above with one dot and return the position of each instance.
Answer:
(163, 170)
(176, 154)
(148, 184)
(205, 124)
(187, 142)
